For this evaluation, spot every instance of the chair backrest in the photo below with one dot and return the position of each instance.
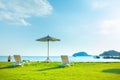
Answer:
(64, 59)
(17, 58)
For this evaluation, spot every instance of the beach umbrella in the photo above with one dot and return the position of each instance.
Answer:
(48, 39)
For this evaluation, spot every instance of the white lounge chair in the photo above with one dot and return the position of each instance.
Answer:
(18, 60)
(65, 60)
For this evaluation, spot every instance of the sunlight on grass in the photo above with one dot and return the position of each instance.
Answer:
(52, 71)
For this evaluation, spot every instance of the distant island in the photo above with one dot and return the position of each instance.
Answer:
(106, 54)
(111, 54)
(80, 54)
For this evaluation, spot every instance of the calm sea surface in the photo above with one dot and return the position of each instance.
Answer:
(58, 59)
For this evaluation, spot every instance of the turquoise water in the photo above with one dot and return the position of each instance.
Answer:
(58, 59)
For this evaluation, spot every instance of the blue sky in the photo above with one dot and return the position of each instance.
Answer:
(92, 26)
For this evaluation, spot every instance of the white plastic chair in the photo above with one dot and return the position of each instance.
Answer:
(65, 60)
(18, 60)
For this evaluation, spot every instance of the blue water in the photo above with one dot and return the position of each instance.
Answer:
(58, 59)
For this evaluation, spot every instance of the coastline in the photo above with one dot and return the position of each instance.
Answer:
(58, 59)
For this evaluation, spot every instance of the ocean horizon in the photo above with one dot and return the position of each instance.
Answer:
(58, 59)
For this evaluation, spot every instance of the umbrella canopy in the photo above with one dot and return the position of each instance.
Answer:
(48, 39)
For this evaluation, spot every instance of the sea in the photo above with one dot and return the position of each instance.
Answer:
(58, 59)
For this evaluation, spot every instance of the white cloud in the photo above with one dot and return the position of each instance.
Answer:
(109, 10)
(1, 5)
(17, 11)
(97, 4)
(109, 34)
(110, 26)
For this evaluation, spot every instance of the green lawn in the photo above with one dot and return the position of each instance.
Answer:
(52, 71)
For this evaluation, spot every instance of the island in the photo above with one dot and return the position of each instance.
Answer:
(80, 54)
(111, 54)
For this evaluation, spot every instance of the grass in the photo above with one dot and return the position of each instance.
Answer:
(52, 71)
